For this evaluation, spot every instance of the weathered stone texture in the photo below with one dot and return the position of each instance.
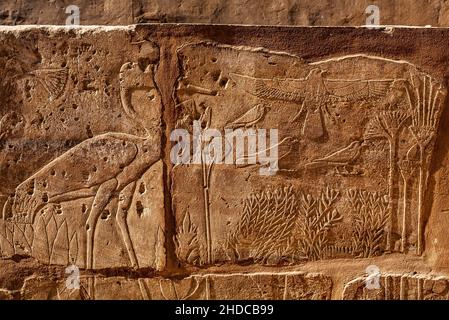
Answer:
(265, 12)
(399, 287)
(88, 177)
(260, 286)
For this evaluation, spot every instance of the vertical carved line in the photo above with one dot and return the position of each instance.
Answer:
(132, 12)
(404, 216)
(419, 284)
(407, 168)
(421, 199)
(285, 287)
(403, 288)
(207, 288)
(91, 287)
(391, 190)
(387, 288)
(144, 289)
(205, 175)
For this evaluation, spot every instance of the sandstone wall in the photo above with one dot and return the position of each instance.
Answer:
(88, 179)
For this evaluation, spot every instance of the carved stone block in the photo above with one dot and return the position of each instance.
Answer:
(260, 286)
(223, 162)
(356, 136)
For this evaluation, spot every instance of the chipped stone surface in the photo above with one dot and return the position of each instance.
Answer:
(399, 287)
(88, 178)
(342, 199)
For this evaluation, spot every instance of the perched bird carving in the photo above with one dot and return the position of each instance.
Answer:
(313, 94)
(341, 157)
(249, 118)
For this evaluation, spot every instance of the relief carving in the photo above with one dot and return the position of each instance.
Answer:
(169, 163)
(351, 131)
(252, 286)
(399, 287)
(54, 214)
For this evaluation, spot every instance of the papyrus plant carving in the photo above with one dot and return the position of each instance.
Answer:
(194, 115)
(425, 96)
(388, 125)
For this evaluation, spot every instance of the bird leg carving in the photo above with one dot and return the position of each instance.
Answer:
(125, 199)
(101, 200)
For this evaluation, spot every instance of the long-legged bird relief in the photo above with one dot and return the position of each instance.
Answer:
(102, 167)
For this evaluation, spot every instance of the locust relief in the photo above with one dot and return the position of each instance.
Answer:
(356, 136)
(91, 135)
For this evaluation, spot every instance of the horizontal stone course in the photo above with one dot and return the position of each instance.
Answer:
(270, 12)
